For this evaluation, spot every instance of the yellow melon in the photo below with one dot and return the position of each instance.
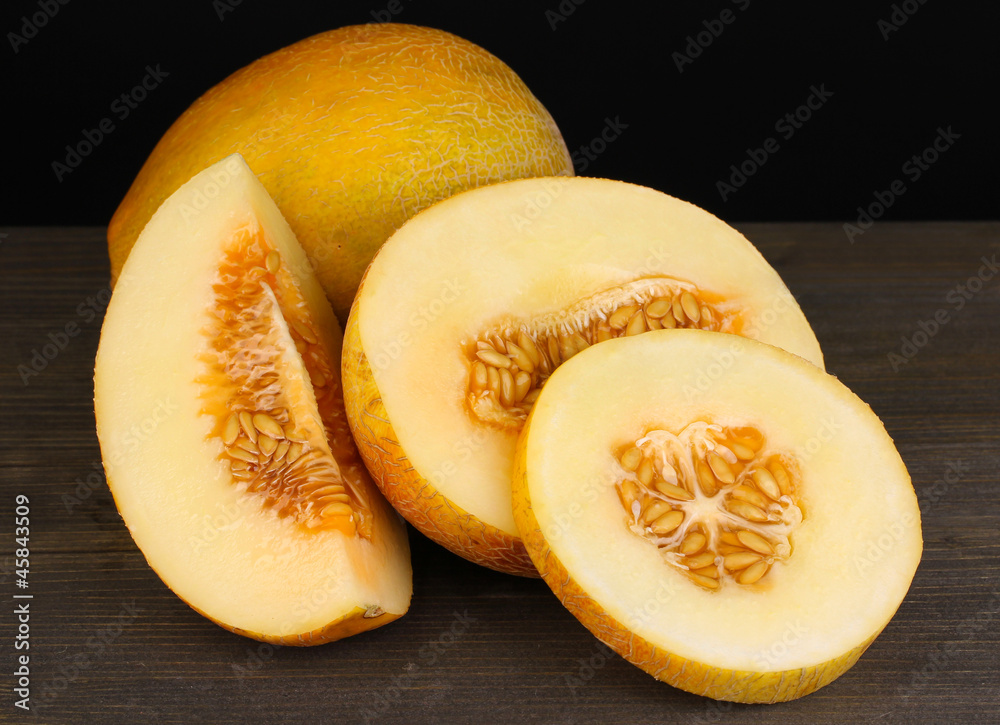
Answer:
(353, 131)
(471, 306)
(222, 427)
(748, 544)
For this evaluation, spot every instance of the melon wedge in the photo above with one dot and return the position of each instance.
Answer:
(469, 307)
(748, 545)
(222, 429)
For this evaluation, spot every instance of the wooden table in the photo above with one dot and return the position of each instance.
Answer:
(110, 643)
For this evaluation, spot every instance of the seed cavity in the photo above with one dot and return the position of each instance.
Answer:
(718, 502)
(275, 446)
(530, 350)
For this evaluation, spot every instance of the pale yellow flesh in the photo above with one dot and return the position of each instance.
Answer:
(853, 556)
(522, 249)
(217, 549)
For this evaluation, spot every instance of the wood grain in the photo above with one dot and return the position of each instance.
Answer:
(478, 646)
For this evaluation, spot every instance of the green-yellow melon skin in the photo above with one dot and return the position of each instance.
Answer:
(352, 132)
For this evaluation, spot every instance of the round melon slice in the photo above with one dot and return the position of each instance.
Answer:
(470, 307)
(222, 428)
(747, 544)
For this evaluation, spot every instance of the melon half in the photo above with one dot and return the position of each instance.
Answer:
(469, 308)
(222, 428)
(748, 543)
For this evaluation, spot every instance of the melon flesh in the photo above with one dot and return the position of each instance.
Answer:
(263, 562)
(538, 253)
(811, 616)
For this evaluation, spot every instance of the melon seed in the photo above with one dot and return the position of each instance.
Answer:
(267, 425)
(755, 541)
(766, 483)
(667, 522)
(671, 491)
(699, 561)
(753, 572)
(631, 459)
(231, 430)
(720, 468)
(537, 347)
(735, 523)
(741, 560)
(693, 543)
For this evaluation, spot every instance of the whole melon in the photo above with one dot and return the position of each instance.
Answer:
(352, 132)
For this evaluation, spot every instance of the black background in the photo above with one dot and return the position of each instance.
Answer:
(603, 60)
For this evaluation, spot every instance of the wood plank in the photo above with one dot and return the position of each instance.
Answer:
(518, 655)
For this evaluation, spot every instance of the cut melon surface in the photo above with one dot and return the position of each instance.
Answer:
(746, 543)
(221, 423)
(468, 309)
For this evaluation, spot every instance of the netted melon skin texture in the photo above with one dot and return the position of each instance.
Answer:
(415, 498)
(352, 131)
(696, 677)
